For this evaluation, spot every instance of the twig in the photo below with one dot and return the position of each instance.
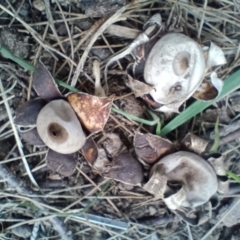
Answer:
(101, 29)
(230, 137)
(16, 135)
(36, 36)
(220, 220)
(14, 182)
(51, 24)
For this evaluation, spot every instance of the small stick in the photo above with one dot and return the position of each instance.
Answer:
(230, 137)
(17, 184)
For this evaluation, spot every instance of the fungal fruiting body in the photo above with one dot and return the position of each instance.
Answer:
(175, 69)
(59, 127)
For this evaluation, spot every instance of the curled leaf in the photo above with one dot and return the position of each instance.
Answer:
(139, 88)
(214, 57)
(217, 162)
(157, 182)
(153, 26)
(92, 111)
(151, 148)
(102, 162)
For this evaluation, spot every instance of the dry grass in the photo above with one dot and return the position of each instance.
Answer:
(69, 58)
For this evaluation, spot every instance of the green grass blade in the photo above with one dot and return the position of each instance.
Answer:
(137, 119)
(7, 54)
(215, 145)
(233, 176)
(231, 83)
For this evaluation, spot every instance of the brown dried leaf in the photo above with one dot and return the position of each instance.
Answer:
(92, 111)
(26, 114)
(126, 169)
(63, 164)
(150, 147)
(90, 151)
(44, 84)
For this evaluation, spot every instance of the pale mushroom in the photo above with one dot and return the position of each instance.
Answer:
(59, 127)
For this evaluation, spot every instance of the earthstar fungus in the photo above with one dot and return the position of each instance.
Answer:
(52, 121)
(184, 180)
(172, 66)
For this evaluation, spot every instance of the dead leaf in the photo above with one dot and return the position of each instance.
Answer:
(139, 88)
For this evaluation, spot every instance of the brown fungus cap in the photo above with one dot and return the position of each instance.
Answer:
(59, 127)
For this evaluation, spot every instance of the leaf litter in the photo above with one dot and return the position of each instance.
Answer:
(65, 198)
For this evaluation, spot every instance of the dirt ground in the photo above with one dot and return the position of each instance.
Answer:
(36, 29)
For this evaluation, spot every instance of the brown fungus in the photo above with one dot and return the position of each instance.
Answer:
(59, 127)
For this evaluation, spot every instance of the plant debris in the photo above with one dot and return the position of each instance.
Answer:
(115, 182)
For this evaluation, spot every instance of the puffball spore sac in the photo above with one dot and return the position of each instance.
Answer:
(59, 127)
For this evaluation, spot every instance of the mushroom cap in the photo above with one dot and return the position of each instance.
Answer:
(175, 68)
(59, 127)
